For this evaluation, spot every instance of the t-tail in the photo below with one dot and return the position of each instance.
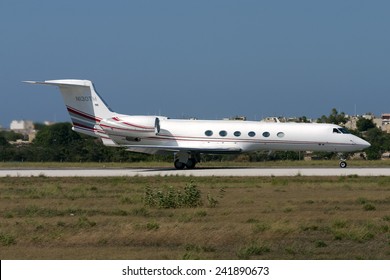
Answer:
(85, 107)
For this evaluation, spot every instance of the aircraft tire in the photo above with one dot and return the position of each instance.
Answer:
(190, 163)
(179, 165)
(343, 164)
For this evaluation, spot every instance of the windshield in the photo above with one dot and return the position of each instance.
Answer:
(344, 130)
(341, 130)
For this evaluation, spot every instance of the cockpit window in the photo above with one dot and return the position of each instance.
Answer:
(344, 130)
(341, 130)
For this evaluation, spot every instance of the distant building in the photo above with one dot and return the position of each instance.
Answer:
(21, 125)
(271, 120)
(24, 127)
(385, 122)
(385, 119)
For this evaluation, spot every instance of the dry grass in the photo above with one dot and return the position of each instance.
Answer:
(264, 217)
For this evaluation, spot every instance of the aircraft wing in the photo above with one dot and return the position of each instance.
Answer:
(147, 149)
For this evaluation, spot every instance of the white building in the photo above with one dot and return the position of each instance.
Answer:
(22, 125)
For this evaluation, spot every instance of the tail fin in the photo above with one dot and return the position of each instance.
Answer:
(85, 107)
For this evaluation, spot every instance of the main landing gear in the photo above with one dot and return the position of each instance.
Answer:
(186, 160)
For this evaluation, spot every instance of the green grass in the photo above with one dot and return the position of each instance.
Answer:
(254, 218)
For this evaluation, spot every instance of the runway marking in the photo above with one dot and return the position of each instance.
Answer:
(225, 172)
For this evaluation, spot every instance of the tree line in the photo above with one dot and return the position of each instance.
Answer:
(59, 143)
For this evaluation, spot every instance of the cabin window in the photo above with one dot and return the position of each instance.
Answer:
(237, 133)
(208, 133)
(223, 133)
(280, 134)
(251, 134)
(266, 134)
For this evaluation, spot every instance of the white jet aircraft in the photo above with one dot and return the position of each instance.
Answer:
(188, 139)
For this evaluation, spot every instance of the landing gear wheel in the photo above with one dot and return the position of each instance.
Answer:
(179, 165)
(191, 163)
(343, 164)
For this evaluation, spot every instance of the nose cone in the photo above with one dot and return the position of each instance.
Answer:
(362, 144)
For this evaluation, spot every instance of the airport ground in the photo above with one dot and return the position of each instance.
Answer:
(334, 217)
(208, 164)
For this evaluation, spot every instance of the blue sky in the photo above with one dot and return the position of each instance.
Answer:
(204, 59)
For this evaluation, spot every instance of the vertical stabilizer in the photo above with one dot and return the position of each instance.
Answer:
(85, 107)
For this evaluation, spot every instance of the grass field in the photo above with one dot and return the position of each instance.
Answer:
(239, 218)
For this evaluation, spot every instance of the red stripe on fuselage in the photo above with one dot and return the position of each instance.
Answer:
(82, 114)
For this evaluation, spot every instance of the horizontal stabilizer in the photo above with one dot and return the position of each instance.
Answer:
(68, 82)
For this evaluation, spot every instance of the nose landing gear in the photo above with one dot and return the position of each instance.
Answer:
(343, 162)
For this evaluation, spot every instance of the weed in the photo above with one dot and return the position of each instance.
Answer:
(191, 256)
(291, 250)
(140, 212)
(252, 221)
(102, 242)
(201, 213)
(61, 224)
(221, 192)
(185, 218)
(252, 250)
(8, 215)
(7, 239)
(211, 201)
(208, 249)
(84, 222)
(260, 227)
(369, 207)
(120, 212)
(361, 200)
(320, 244)
(193, 247)
(152, 226)
(340, 224)
(127, 200)
(309, 228)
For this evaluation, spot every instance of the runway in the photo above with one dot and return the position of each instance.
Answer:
(198, 172)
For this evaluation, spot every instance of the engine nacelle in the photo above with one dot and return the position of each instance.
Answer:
(123, 129)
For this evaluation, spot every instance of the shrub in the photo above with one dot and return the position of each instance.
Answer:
(369, 207)
(171, 198)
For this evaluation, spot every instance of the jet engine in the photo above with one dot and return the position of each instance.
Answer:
(125, 129)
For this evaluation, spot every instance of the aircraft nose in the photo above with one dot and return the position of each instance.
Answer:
(363, 144)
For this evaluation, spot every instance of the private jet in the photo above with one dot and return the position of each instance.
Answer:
(188, 139)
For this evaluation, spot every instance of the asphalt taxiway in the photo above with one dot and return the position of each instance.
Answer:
(198, 172)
